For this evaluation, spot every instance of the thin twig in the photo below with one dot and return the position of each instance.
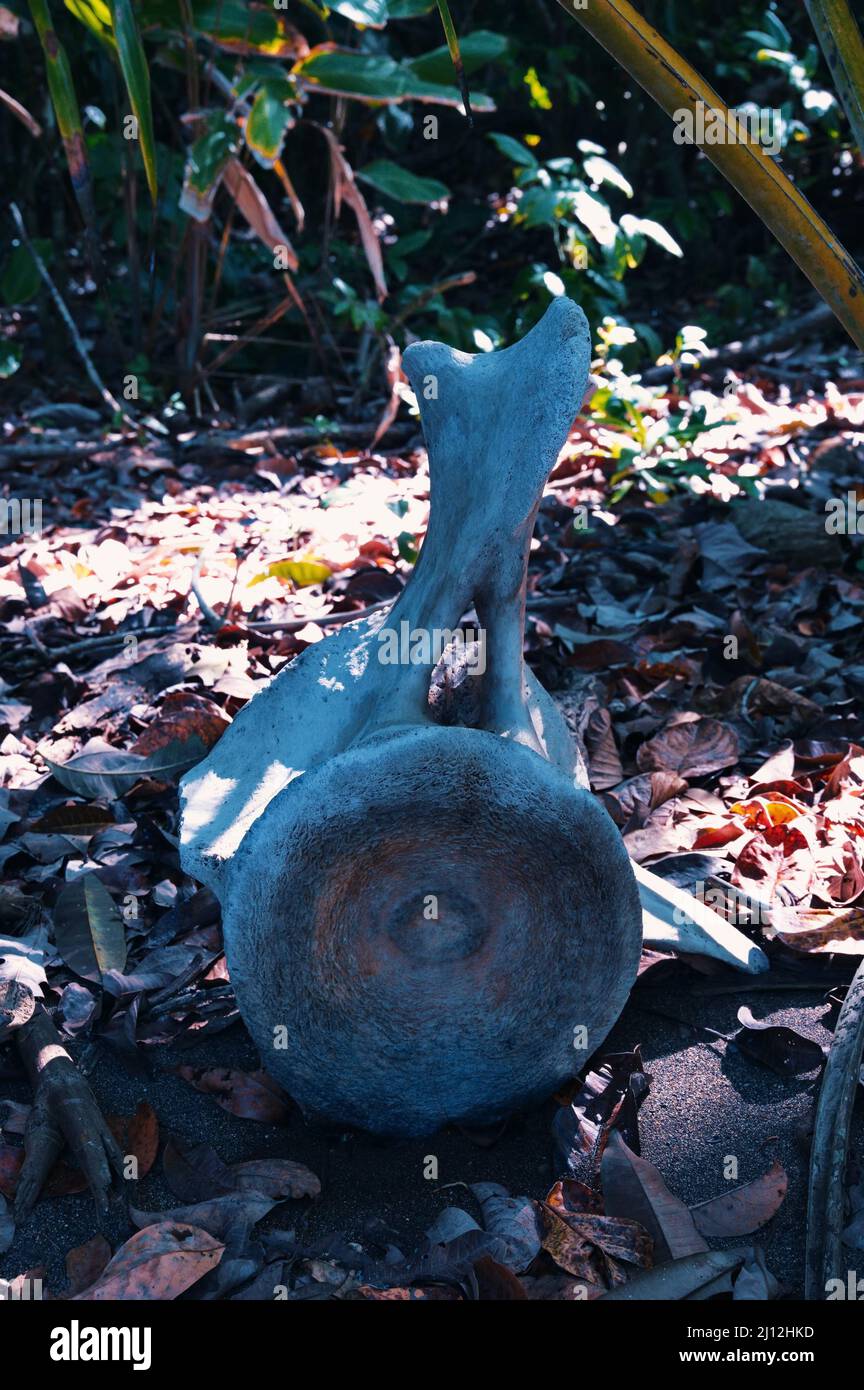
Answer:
(113, 404)
(109, 639)
(267, 321)
(211, 617)
(455, 282)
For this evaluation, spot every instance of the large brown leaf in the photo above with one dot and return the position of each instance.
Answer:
(633, 1188)
(219, 1216)
(160, 1262)
(822, 930)
(778, 856)
(604, 762)
(89, 928)
(630, 803)
(257, 211)
(680, 1278)
(276, 1177)
(691, 748)
(86, 1262)
(575, 1240)
(182, 715)
(138, 1136)
(745, 1208)
(345, 187)
(250, 1094)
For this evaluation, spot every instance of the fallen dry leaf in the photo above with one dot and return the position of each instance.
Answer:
(276, 1177)
(575, 1241)
(782, 1049)
(160, 1262)
(633, 1188)
(86, 1262)
(138, 1136)
(744, 1209)
(251, 1095)
(692, 748)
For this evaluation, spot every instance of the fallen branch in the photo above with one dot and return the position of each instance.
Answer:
(61, 453)
(541, 603)
(795, 330)
(309, 434)
(830, 1144)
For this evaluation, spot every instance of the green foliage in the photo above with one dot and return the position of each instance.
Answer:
(19, 279)
(217, 142)
(133, 64)
(569, 181)
(647, 453)
(595, 247)
(375, 77)
(269, 121)
(401, 185)
(10, 359)
(806, 103)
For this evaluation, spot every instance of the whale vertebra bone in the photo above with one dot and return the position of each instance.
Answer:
(424, 923)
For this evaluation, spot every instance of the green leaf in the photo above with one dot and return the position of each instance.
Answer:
(539, 207)
(88, 928)
(20, 280)
(514, 150)
(59, 74)
(401, 184)
(242, 28)
(409, 9)
(398, 254)
(644, 226)
(206, 165)
(65, 104)
(649, 338)
(477, 49)
(375, 77)
(406, 547)
(594, 215)
(370, 12)
(775, 56)
(10, 359)
(301, 572)
(136, 75)
(268, 122)
(95, 16)
(600, 170)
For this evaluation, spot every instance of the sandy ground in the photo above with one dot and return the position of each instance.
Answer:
(707, 1102)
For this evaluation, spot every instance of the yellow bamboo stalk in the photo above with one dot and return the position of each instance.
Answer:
(843, 47)
(676, 86)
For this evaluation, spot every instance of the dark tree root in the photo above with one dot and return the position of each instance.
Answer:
(64, 1112)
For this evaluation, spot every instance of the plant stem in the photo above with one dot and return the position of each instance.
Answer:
(678, 88)
(841, 42)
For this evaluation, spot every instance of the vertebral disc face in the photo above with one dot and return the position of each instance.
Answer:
(419, 931)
